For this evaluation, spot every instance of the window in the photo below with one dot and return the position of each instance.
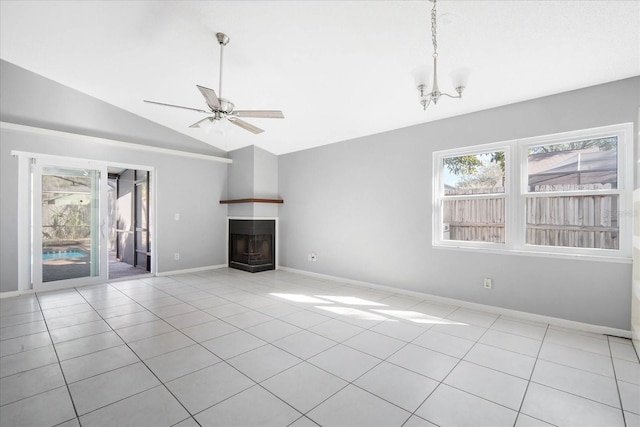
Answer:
(571, 195)
(473, 206)
(565, 194)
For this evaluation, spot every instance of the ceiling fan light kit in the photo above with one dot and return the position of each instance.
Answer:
(427, 97)
(221, 109)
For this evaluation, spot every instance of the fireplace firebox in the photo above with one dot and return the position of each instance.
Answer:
(252, 244)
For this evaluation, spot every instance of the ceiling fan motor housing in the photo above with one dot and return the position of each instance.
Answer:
(226, 106)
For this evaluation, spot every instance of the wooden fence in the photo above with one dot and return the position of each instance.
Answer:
(585, 221)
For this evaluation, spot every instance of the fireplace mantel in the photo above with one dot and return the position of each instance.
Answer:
(226, 202)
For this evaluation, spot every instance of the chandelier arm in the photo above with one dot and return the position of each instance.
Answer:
(451, 96)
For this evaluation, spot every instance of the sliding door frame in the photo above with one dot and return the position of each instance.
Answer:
(99, 264)
(25, 212)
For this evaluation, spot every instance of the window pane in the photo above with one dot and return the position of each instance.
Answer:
(479, 220)
(575, 221)
(583, 165)
(474, 174)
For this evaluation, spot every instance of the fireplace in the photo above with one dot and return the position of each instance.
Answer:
(252, 244)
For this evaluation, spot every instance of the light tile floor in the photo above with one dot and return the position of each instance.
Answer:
(229, 348)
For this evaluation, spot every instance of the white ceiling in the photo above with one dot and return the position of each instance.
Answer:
(338, 69)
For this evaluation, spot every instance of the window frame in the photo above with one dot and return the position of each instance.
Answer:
(440, 197)
(516, 194)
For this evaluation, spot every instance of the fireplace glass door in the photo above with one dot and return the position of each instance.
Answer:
(252, 245)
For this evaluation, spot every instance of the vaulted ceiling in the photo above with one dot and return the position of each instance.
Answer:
(338, 69)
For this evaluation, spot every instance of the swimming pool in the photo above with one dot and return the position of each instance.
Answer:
(58, 255)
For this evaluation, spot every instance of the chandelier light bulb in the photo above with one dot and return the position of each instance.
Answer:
(421, 75)
(460, 77)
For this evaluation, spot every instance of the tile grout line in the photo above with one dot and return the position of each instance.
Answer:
(369, 329)
(306, 360)
(55, 350)
(506, 332)
(303, 415)
(352, 382)
(526, 390)
(475, 342)
(242, 329)
(221, 359)
(200, 344)
(615, 375)
(233, 367)
(306, 329)
(252, 290)
(452, 369)
(141, 361)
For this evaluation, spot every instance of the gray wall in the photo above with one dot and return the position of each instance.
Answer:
(190, 187)
(30, 99)
(253, 174)
(364, 207)
(265, 179)
(241, 173)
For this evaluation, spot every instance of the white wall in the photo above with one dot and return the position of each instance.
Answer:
(253, 174)
(364, 207)
(265, 179)
(188, 186)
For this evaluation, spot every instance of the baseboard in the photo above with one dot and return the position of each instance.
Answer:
(556, 321)
(10, 294)
(192, 270)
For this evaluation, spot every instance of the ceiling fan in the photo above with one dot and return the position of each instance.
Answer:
(221, 108)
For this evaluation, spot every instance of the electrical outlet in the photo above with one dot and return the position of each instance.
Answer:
(176, 256)
(488, 283)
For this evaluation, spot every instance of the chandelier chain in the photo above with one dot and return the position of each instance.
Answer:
(434, 30)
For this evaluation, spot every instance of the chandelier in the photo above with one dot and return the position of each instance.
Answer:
(426, 98)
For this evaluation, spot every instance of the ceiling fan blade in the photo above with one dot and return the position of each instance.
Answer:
(210, 96)
(199, 123)
(246, 126)
(178, 106)
(267, 114)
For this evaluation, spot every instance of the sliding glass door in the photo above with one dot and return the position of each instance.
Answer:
(69, 233)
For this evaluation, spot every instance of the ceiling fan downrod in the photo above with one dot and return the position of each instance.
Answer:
(223, 39)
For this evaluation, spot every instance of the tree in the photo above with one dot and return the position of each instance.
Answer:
(604, 144)
(468, 165)
(462, 165)
(488, 176)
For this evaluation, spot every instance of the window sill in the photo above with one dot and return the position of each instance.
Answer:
(542, 254)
